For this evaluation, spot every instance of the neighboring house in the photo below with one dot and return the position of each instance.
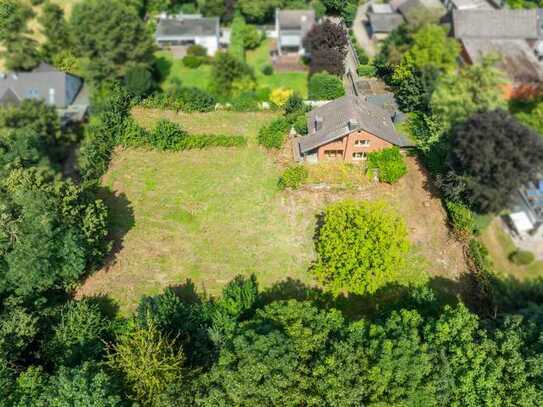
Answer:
(65, 91)
(346, 129)
(184, 30)
(414, 10)
(383, 19)
(527, 209)
(292, 27)
(516, 36)
(467, 5)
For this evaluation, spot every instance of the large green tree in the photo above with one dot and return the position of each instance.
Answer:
(111, 36)
(55, 30)
(360, 246)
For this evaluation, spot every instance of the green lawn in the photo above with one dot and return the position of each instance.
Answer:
(172, 70)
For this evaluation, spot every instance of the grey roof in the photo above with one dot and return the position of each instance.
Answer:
(517, 58)
(497, 24)
(188, 27)
(336, 116)
(409, 7)
(384, 22)
(9, 98)
(381, 8)
(45, 82)
(301, 20)
(469, 4)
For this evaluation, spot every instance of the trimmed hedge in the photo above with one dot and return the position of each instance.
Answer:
(390, 164)
(187, 99)
(293, 177)
(522, 257)
(323, 86)
(274, 134)
(193, 61)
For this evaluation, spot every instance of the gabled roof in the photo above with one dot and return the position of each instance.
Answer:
(301, 20)
(518, 60)
(384, 22)
(9, 98)
(338, 118)
(498, 24)
(188, 27)
(408, 8)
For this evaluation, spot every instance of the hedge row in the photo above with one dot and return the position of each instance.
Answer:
(169, 136)
(186, 99)
(293, 177)
(390, 164)
(274, 134)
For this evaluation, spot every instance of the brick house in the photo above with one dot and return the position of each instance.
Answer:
(346, 129)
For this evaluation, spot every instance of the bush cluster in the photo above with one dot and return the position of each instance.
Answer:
(245, 102)
(273, 135)
(522, 257)
(389, 163)
(196, 56)
(169, 136)
(267, 69)
(293, 177)
(366, 70)
(461, 218)
(324, 86)
(187, 99)
(300, 125)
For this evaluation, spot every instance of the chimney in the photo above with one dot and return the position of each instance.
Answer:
(353, 124)
(318, 123)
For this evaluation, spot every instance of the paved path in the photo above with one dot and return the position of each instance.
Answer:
(360, 30)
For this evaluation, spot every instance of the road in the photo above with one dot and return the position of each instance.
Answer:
(360, 32)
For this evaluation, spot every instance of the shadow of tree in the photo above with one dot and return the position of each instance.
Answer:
(107, 305)
(163, 67)
(188, 292)
(121, 219)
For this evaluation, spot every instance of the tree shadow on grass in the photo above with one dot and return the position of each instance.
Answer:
(121, 220)
(162, 68)
(107, 305)
(188, 292)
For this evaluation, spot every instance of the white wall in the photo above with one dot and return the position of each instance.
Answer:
(210, 43)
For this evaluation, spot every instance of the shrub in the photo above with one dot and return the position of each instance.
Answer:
(133, 135)
(245, 102)
(323, 86)
(293, 177)
(280, 96)
(389, 163)
(139, 81)
(300, 125)
(522, 257)
(273, 135)
(267, 69)
(197, 51)
(252, 36)
(167, 135)
(294, 104)
(361, 246)
(237, 40)
(196, 100)
(263, 94)
(194, 141)
(461, 218)
(192, 61)
(366, 70)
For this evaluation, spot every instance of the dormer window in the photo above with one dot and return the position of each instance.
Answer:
(318, 123)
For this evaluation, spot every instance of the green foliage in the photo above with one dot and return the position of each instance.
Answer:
(55, 30)
(139, 81)
(366, 70)
(327, 44)
(148, 360)
(79, 335)
(192, 61)
(229, 75)
(245, 102)
(273, 135)
(522, 258)
(530, 114)
(461, 218)
(389, 163)
(267, 69)
(20, 49)
(323, 86)
(477, 88)
(252, 37)
(188, 99)
(361, 246)
(300, 125)
(293, 177)
(166, 135)
(258, 11)
(237, 38)
(294, 104)
(196, 50)
(111, 37)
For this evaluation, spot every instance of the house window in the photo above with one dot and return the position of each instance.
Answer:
(360, 156)
(33, 93)
(333, 153)
(362, 143)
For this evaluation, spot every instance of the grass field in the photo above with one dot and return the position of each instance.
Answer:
(172, 71)
(208, 215)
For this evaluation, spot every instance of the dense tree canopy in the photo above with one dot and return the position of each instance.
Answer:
(327, 45)
(492, 155)
(111, 37)
(55, 30)
(360, 246)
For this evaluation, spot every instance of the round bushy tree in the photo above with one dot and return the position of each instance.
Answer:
(361, 246)
(323, 86)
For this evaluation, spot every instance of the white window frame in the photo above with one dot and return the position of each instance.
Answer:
(360, 156)
(362, 143)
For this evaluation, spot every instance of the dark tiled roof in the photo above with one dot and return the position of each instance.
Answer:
(336, 116)
(497, 24)
(518, 61)
(384, 22)
(187, 27)
(296, 19)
